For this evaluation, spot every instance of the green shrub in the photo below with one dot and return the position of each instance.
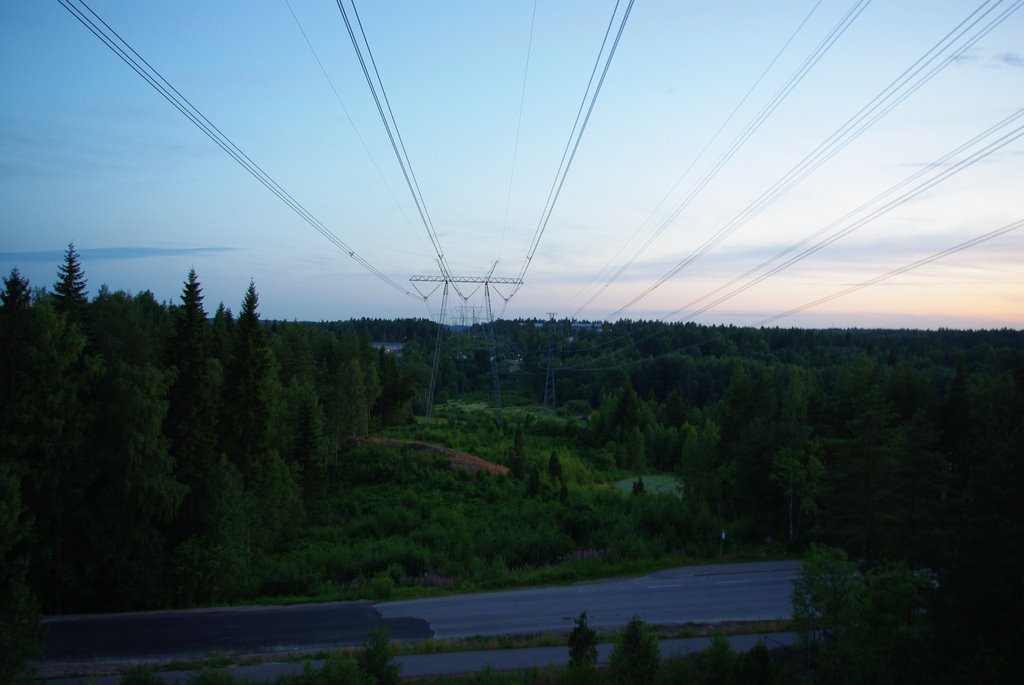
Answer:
(716, 662)
(382, 587)
(581, 676)
(754, 667)
(339, 671)
(376, 661)
(635, 659)
(677, 671)
(582, 644)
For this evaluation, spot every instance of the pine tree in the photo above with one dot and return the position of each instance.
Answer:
(69, 291)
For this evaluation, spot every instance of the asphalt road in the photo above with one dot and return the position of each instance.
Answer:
(702, 594)
(457, 663)
(689, 594)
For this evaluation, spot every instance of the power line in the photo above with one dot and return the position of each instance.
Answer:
(942, 162)
(576, 135)
(896, 92)
(750, 129)
(348, 116)
(391, 127)
(941, 169)
(945, 173)
(794, 80)
(985, 237)
(942, 254)
(519, 124)
(120, 47)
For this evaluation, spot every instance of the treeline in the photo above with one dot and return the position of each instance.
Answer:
(153, 455)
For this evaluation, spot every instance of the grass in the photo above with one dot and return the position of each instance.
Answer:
(570, 572)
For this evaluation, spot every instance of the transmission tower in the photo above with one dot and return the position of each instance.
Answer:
(437, 350)
(549, 377)
(488, 283)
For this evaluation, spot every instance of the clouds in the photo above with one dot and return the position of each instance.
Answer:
(112, 253)
(1009, 59)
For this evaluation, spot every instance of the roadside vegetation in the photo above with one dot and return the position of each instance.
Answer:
(158, 455)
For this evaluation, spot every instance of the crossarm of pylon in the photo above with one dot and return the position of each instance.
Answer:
(465, 279)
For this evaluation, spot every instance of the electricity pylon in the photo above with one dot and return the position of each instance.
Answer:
(487, 282)
(549, 376)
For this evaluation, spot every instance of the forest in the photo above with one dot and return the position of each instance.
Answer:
(155, 455)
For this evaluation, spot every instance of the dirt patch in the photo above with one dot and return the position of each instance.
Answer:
(459, 460)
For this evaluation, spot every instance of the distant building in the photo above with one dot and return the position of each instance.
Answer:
(394, 348)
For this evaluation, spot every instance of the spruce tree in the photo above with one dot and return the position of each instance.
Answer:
(247, 398)
(14, 312)
(555, 468)
(69, 291)
(191, 414)
(307, 448)
(16, 295)
(223, 328)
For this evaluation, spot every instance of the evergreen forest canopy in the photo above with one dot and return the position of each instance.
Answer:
(156, 456)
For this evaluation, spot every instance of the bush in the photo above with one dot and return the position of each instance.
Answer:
(716, 662)
(677, 671)
(377, 660)
(335, 671)
(582, 644)
(635, 658)
(755, 667)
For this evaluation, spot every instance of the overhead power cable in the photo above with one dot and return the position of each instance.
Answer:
(576, 135)
(942, 254)
(943, 162)
(120, 47)
(945, 171)
(380, 98)
(751, 128)
(955, 43)
(949, 251)
(519, 124)
(348, 116)
(998, 136)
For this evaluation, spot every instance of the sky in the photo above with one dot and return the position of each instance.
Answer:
(702, 111)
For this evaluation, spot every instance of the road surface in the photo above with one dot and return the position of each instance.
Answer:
(692, 594)
(456, 663)
(730, 592)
